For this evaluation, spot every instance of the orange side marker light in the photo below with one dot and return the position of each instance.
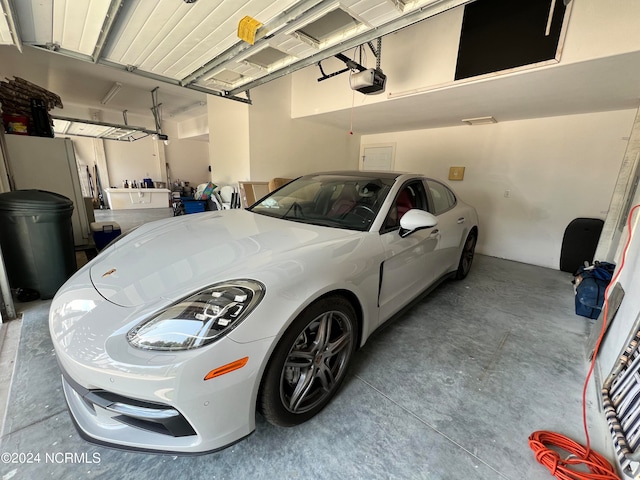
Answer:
(229, 367)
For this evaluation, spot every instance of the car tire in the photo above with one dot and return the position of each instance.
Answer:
(309, 363)
(466, 257)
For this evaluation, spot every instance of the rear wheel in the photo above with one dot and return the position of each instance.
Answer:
(466, 258)
(309, 363)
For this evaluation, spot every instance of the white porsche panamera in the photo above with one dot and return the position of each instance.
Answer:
(174, 336)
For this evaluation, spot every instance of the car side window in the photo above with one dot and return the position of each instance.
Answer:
(412, 195)
(442, 196)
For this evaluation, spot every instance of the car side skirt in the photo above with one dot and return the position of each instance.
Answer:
(414, 302)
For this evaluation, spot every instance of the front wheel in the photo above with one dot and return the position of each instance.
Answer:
(309, 363)
(466, 258)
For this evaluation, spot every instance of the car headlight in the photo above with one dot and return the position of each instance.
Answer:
(200, 319)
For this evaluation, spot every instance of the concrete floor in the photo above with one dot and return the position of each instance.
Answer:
(451, 390)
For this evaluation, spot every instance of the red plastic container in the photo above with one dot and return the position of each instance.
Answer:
(16, 124)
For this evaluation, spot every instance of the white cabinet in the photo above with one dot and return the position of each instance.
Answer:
(121, 198)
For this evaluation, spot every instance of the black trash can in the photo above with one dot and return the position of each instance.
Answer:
(36, 236)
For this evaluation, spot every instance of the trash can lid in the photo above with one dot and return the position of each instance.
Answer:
(34, 200)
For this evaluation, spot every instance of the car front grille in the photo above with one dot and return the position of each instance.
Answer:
(150, 416)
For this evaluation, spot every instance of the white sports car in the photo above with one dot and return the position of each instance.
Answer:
(174, 336)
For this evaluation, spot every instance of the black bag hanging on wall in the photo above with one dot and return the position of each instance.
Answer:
(579, 243)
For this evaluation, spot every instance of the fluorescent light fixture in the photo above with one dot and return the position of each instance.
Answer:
(479, 120)
(187, 108)
(113, 91)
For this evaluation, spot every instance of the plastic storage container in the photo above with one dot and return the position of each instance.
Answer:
(36, 236)
(104, 232)
(193, 206)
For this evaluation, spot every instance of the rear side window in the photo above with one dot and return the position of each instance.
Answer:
(442, 196)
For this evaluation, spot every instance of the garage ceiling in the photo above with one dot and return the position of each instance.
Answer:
(194, 44)
(601, 84)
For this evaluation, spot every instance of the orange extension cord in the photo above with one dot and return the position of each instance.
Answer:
(599, 467)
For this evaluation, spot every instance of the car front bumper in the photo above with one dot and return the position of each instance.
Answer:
(146, 400)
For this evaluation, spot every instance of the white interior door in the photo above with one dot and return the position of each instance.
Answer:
(377, 157)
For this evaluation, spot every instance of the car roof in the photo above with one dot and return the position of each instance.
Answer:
(365, 173)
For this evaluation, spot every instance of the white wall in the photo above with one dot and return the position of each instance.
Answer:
(188, 159)
(629, 311)
(132, 161)
(601, 28)
(125, 160)
(228, 140)
(616, 338)
(285, 147)
(627, 276)
(423, 56)
(194, 127)
(555, 169)
(262, 141)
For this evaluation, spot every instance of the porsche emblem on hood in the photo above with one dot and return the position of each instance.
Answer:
(108, 272)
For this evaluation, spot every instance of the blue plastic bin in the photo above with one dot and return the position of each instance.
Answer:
(193, 206)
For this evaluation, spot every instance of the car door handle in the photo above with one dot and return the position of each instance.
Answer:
(461, 220)
(434, 233)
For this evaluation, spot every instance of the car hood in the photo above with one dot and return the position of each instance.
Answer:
(176, 257)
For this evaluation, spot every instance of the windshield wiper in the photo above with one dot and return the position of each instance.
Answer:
(295, 206)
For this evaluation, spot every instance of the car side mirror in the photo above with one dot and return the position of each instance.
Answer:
(416, 219)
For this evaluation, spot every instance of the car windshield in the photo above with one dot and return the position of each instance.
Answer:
(342, 201)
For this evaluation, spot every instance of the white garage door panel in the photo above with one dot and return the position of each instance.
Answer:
(192, 38)
(5, 33)
(262, 10)
(173, 39)
(140, 25)
(373, 12)
(189, 43)
(77, 23)
(35, 21)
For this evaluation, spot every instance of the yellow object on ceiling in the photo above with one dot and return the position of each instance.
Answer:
(247, 29)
